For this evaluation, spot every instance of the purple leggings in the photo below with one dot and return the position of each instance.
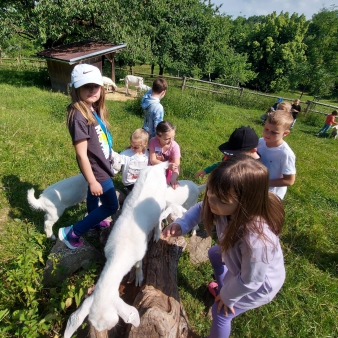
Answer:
(221, 325)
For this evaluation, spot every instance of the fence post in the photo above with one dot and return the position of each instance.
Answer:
(241, 92)
(184, 81)
(308, 107)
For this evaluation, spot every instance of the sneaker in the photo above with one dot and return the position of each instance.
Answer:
(213, 288)
(102, 225)
(67, 236)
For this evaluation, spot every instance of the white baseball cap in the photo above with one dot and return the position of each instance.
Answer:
(83, 74)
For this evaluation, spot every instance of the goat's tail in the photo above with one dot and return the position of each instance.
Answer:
(32, 201)
(201, 187)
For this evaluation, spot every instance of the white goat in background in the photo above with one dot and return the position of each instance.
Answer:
(109, 84)
(132, 80)
(126, 246)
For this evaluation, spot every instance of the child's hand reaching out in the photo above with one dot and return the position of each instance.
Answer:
(172, 230)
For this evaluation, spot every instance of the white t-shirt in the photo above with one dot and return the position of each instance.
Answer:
(132, 164)
(280, 161)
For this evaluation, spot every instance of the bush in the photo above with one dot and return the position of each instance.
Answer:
(313, 119)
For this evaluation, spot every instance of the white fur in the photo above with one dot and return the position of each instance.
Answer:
(334, 132)
(143, 88)
(55, 199)
(107, 82)
(126, 246)
(186, 195)
(132, 80)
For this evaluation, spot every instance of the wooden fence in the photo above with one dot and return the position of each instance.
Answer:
(19, 60)
(311, 106)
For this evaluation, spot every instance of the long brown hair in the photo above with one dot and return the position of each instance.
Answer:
(82, 107)
(246, 181)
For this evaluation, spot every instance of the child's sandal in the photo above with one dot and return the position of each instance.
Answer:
(213, 288)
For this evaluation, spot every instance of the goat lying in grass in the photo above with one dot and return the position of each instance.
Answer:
(56, 198)
(126, 246)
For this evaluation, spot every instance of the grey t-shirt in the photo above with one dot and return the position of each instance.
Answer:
(98, 147)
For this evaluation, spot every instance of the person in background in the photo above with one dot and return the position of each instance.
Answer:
(242, 140)
(153, 109)
(329, 121)
(276, 154)
(295, 110)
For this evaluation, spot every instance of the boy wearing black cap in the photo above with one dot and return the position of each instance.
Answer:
(242, 140)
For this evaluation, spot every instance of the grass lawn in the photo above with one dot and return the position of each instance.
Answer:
(36, 151)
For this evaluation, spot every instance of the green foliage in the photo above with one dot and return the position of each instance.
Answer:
(314, 120)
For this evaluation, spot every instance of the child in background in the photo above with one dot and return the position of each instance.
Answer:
(134, 158)
(88, 126)
(248, 260)
(329, 121)
(242, 140)
(164, 148)
(276, 154)
(153, 109)
(295, 110)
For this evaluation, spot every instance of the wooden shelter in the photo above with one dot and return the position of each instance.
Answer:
(62, 59)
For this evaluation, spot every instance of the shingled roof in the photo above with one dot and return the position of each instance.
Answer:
(77, 51)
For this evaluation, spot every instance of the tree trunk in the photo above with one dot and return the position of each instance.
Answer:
(157, 301)
(161, 70)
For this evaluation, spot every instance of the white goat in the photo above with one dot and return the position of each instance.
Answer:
(56, 198)
(334, 132)
(143, 88)
(132, 80)
(126, 246)
(109, 84)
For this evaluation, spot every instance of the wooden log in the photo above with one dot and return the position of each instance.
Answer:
(158, 303)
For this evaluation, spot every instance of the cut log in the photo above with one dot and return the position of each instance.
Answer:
(161, 313)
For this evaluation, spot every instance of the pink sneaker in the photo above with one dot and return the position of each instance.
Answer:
(213, 288)
(103, 224)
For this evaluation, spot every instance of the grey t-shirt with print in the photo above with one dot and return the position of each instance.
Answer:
(98, 147)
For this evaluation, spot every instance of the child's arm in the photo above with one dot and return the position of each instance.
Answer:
(81, 154)
(154, 158)
(175, 167)
(285, 181)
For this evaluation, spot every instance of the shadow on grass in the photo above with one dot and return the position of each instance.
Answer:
(16, 194)
(17, 78)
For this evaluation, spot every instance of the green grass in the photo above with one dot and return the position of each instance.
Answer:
(36, 151)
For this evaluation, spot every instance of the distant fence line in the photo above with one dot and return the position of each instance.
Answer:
(310, 104)
(19, 59)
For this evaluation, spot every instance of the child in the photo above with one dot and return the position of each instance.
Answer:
(271, 109)
(164, 148)
(88, 126)
(295, 110)
(248, 260)
(242, 140)
(153, 110)
(135, 158)
(328, 123)
(275, 153)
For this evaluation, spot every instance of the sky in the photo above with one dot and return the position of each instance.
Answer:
(249, 8)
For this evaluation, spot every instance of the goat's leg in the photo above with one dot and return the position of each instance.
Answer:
(50, 219)
(77, 317)
(128, 313)
(138, 273)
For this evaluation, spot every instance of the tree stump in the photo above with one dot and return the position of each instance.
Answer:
(157, 301)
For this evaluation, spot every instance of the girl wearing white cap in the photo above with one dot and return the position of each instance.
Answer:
(88, 126)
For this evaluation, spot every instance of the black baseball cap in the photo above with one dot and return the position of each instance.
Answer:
(242, 139)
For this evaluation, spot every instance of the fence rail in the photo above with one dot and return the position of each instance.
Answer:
(311, 105)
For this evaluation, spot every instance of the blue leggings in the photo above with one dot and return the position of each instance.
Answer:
(324, 129)
(221, 325)
(97, 213)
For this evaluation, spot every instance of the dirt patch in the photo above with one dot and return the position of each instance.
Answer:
(120, 95)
